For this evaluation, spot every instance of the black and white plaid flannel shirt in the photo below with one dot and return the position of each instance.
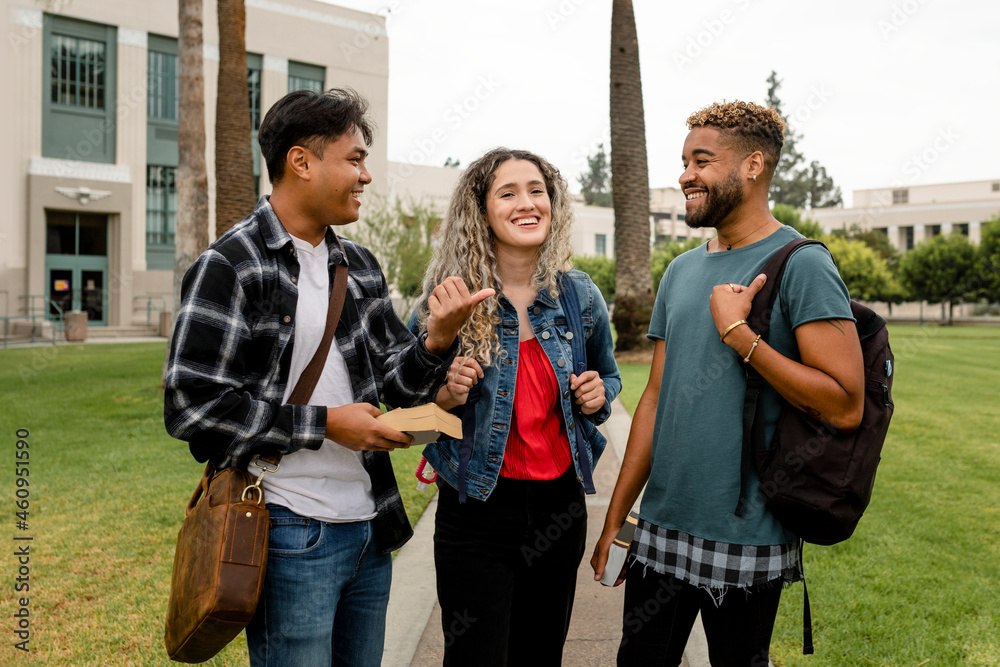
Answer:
(232, 348)
(714, 566)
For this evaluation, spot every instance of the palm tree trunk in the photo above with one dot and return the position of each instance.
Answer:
(235, 194)
(629, 184)
(191, 236)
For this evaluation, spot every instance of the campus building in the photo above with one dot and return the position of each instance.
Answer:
(90, 134)
(909, 215)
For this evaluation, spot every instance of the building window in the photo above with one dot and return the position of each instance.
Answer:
(996, 187)
(254, 66)
(162, 82)
(78, 80)
(302, 76)
(680, 216)
(601, 245)
(933, 230)
(962, 228)
(908, 238)
(77, 72)
(161, 205)
(901, 196)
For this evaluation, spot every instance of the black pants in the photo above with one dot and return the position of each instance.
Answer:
(660, 611)
(506, 571)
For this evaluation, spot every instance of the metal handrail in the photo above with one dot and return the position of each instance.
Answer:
(150, 306)
(33, 313)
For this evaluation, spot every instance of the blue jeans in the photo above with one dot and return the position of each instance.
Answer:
(325, 595)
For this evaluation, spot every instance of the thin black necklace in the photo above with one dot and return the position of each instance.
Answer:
(730, 246)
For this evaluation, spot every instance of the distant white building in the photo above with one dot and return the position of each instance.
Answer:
(909, 215)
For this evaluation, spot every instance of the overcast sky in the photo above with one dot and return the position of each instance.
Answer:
(899, 92)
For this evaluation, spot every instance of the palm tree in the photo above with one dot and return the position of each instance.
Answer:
(235, 193)
(629, 184)
(191, 237)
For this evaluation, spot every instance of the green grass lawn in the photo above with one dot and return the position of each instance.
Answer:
(107, 489)
(919, 582)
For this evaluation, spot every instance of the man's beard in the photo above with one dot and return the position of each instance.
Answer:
(721, 200)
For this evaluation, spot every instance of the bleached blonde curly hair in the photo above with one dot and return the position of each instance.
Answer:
(747, 126)
(467, 248)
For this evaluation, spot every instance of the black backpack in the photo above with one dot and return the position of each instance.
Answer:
(815, 480)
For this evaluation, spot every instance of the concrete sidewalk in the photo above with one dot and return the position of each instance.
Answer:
(414, 637)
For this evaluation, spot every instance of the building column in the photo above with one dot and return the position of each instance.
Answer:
(975, 232)
(892, 231)
(130, 142)
(273, 86)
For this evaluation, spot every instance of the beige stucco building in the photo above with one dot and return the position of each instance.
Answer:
(909, 215)
(90, 136)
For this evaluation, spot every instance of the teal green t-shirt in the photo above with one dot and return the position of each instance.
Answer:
(694, 483)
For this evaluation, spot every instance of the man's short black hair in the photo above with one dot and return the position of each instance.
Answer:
(310, 119)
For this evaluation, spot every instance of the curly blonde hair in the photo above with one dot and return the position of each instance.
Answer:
(748, 127)
(467, 248)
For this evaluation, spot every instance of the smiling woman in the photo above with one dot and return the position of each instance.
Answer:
(517, 473)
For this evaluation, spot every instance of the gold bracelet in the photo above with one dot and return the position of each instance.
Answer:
(746, 359)
(731, 327)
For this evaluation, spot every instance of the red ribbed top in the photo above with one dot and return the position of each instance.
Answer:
(537, 446)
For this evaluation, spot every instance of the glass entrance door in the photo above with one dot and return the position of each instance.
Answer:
(76, 264)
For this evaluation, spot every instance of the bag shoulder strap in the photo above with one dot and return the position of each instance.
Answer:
(759, 321)
(570, 303)
(310, 376)
(763, 303)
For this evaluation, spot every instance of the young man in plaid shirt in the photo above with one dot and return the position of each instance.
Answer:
(691, 552)
(253, 313)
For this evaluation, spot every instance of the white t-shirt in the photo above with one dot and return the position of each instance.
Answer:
(329, 483)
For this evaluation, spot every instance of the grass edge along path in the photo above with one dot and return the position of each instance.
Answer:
(107, 490)
(919, 580)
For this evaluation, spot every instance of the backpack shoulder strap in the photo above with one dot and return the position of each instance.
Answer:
(759, 320)
(570, 303)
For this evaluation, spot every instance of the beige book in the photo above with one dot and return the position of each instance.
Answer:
(424, 422)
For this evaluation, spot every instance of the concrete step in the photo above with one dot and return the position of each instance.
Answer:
(131, 331)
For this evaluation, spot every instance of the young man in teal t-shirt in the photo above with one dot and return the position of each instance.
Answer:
(691, 551)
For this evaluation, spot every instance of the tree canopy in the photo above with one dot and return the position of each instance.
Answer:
(806, 186)
(789, 215)
(399, 234)
(942, 269)
(989, 259)
(595, 182)
(864, 271)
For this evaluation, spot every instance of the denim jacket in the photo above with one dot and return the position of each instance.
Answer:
(496, 403)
